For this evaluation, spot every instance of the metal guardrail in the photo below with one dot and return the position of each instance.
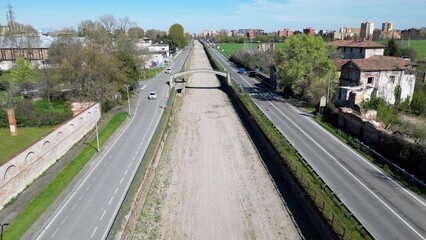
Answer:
(419, 183)
(153, 143)
(318, 201)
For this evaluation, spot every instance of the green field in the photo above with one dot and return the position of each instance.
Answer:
(13, 145)
(230, 48)
(418, 45)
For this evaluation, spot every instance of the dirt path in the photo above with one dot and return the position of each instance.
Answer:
(210, 183)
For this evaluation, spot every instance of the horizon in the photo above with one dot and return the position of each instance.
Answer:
(195, 17)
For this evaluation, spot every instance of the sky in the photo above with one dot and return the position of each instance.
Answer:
(196, 16)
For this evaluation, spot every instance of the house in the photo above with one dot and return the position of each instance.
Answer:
(159, 53)
(379, 75)
(33, 48)
(350, 49)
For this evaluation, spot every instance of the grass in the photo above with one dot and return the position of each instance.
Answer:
(418, 45)
(44, 106)
(39, 204)
(230, 48)
(333, 211)
(11, 145)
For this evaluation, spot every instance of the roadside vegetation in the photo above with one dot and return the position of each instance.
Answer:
(343, 223)
(41, 203)
(94, 63)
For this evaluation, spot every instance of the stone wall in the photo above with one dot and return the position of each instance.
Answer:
(27, 166)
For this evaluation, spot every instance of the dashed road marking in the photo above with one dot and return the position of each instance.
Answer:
(93, 233)
(103, 214)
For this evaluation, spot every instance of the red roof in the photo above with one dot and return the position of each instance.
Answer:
(339, 63)
(383, 63)
(360, 44)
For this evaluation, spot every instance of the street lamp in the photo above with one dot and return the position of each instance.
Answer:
(2, 225)
(128, 98)
(328, 83)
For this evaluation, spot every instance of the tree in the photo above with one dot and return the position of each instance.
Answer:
(24, 38)
(392, 49)
(304, 64)
(152, 34)
(129, 56)
(109, 23)
(124, 24)
(23, 73)
(135, 33)
(95, 32)
(177, 35)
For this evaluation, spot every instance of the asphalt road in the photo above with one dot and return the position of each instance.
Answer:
(90, 208)
(387, 209)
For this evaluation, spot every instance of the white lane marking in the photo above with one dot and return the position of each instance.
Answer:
(93, 233)
(121, 180)
(72, 209)
(103, 214)
(158, 111)
(110, 200)
(81, 196)
(344, 168)
(369, 163)
(65, 218)
(125, 173)
(130, 163)
(92, 170)
(53, 235)
(116, 190)
(133, 158)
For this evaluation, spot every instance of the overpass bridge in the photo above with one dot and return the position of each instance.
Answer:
(180, 85)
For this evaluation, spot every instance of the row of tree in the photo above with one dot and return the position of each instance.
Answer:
(304, 65)
(93, 63)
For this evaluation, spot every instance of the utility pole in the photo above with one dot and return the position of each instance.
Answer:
(128, 98)
(2, 225)
(10, 18)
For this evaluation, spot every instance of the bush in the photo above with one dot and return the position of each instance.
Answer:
(29, 116)
(418, 103)
(385, 112)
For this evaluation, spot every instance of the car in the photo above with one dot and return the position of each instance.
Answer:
(169, 70)
(152, 95)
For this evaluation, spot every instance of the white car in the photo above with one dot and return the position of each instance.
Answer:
(169, 70)
(152, 95)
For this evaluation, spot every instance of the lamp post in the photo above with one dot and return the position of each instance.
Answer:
(2, 225)
(328, 83)
(128, 98)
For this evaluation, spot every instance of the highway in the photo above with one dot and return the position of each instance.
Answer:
(387, 209)
(89, 209)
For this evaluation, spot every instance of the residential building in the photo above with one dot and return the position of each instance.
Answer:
(33, 48)
(387, 27)
(309, 30)
(159, 54)
(351, 49)
(285, 33)
(251, 33)
(367, 30)
(377, 75)
(348, 33)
